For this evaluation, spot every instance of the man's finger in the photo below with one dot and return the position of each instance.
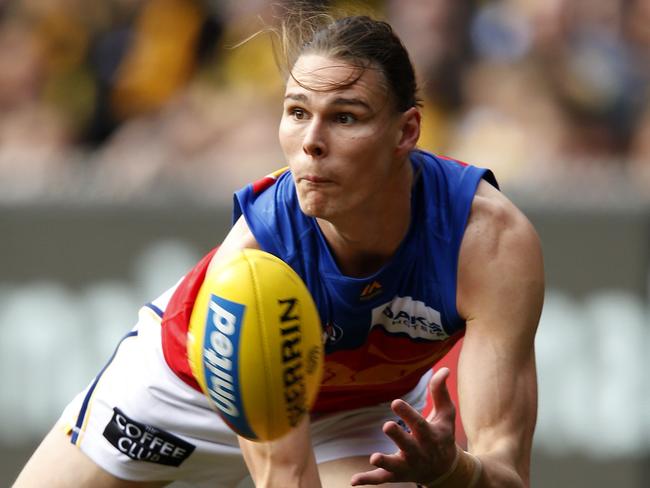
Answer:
(443, 407)
(402, 439)
(375, 477)
(393, 463)
(413, 419)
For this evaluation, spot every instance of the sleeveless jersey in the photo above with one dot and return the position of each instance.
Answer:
(381, 332)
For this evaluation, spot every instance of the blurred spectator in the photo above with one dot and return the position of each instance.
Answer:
(160, 58)
(639, 156)
(138, 95)
(435, 32)
(597, 79)
(510, 122)
(636, 23)
(34, 132)
(556, 75)
(219, 125)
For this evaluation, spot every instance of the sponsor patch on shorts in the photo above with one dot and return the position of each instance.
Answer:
(143, 442)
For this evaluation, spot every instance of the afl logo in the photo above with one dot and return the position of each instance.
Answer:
(332, 333)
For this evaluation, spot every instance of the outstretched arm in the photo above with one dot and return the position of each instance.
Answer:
(288, 461)
(500, 295)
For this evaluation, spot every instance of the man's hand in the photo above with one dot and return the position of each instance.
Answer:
(426, 452)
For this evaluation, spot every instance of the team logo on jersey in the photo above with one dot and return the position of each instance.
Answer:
(403, 315)
(371, 290)
(144, 442)
(332, 333)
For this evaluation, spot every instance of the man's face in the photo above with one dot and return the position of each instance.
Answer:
(339, 142)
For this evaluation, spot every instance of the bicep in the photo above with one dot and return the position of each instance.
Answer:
(501, 297)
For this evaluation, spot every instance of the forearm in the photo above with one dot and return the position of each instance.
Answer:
(270, 468)
(288, 461)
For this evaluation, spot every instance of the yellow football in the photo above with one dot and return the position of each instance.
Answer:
(254, 344)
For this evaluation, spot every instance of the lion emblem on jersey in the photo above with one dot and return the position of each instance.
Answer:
(332, 334)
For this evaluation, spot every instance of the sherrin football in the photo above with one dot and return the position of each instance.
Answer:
(254, 344)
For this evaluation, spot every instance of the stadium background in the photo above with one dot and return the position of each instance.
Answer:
(125, 125)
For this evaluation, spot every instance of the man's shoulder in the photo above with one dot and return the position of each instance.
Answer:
(260, 197)
(495, 221)
(500, 258)
(453, 169)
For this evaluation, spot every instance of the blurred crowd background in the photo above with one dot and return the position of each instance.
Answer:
(125, 126)
(114, 99)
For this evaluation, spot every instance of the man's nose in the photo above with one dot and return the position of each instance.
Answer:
(314, 142)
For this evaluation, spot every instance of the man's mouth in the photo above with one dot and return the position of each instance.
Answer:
(315, 179)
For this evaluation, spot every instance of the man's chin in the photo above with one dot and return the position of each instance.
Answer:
(313, 209)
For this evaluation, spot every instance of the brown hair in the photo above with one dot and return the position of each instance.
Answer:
(358, 39)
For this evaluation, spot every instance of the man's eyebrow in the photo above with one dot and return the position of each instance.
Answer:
(298, 97)
(351, 101)
(301, 97)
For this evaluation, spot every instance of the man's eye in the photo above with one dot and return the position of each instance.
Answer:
(345, 118)
(297, 113)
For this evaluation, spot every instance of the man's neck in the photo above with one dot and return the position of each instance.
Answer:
(364, 241)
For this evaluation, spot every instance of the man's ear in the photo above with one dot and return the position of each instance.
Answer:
(409, 132)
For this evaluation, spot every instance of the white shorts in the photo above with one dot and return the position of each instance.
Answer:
(140, 422)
